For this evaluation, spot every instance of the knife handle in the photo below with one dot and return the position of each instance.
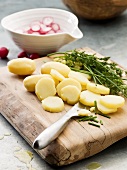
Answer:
(51, 133)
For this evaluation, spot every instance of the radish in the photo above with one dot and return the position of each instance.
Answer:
(34, 56)
(44, 29)
(55, 27)
(3, 52)
(29, 31)
(47, 20)
(22, 54)
(51, 32)
(35, 27)
(46, 26)
(35, 33)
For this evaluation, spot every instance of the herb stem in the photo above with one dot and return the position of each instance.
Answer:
(91, 123)
(102, 70)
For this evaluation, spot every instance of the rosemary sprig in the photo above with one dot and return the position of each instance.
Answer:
(101, 70)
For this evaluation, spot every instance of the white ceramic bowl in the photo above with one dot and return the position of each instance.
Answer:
(42, 44)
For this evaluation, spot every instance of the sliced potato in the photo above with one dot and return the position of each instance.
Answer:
(84, 112)
(92, 109)
(112, 101)
(21, 66)
(70, 94)
(87, 97)
(30, 81)
(53, 104)
(61, 68)
(65, 82)
(97, 88)
(83, 87)
(105, 110)
(55, 74)
(56, 81)
(80, 77)
(45, 87)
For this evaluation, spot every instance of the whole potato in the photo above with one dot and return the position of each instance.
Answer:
(21, 66)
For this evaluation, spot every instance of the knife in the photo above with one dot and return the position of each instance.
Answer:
(54, 130)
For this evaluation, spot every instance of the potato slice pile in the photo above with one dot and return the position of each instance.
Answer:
(58, 84)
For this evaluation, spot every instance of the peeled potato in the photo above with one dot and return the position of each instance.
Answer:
(70, 94)
(45, 87)
(80, 77)
(87, 98)
(83, 87)
(84, 112)
(112, 101)
(61, 68)
(30, 81)
(97, 88)
(105, 110)
(65, 82)
(55, 74)
(21, 66)
(53, 104)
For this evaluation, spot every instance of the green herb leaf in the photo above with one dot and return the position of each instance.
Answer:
(101, 70)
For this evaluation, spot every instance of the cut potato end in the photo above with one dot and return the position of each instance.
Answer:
(61, 68)
(45, 87)
(65, 82)
(30, 81)
(112, 101)
(105, 110)
(55, 74)
(21, 66)
(87, 98)
(84, 112)
(53, 104)
(80, 77)
(92, 109)
(70, 94)
(97, 88)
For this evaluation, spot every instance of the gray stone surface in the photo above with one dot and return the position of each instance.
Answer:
(110, 39)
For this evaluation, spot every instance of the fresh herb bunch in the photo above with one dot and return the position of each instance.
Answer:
(102, 70)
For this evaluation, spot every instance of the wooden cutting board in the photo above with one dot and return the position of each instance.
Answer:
(78, 141)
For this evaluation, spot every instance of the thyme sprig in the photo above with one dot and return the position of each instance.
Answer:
(102, 70)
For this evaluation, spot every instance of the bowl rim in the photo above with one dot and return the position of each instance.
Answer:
(3, 20)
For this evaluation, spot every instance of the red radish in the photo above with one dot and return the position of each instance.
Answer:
(29, 31)
(35, 27)
(47, 21)
(51, 32)
(34, 56)
(3, 52)
(22, 54)
(55, 27)
(35, 33)
(46, 26)
(44, 29)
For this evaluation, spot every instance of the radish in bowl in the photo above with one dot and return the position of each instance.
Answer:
(42, 30)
